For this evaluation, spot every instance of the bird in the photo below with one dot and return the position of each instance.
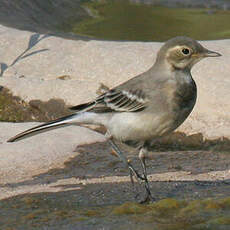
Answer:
(145, 108)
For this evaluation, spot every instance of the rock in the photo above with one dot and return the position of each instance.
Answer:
(71, 71)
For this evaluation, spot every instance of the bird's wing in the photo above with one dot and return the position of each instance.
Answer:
(116, 101)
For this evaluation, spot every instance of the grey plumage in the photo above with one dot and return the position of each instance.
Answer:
(148, 106)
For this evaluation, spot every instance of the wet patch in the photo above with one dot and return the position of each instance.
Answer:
(54, 211)
(14, 109)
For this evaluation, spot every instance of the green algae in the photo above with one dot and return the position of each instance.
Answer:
(36, 211)
(121, 20)
(96, 212)
(179, 214)
(130, 208)
(225, 220)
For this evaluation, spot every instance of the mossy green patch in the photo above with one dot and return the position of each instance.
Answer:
(34, 215)
(225, 220)
(65, 213)
(92, 213)
(30, 201)
(165, 208)
(168, 204)
(168, 214)
(174, 214)
(212, 205)
(225, 203)
(130, 208)
(81, 218)
(193, 208)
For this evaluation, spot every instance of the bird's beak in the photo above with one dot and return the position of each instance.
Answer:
(209, 53)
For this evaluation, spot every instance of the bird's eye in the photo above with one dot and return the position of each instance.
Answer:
(185, 51)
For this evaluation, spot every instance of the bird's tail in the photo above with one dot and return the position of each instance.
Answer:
(80, 116)
(64, 121)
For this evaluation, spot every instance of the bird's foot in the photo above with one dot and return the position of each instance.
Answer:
(139, 192)
(147, 199)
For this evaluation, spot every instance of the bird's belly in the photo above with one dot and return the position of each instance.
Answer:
(138, 126)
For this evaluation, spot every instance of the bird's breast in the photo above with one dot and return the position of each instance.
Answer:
(184, 99)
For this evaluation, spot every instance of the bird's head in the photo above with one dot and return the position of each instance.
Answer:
(183, 53)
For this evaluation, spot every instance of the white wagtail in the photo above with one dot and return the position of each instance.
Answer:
(147, 107)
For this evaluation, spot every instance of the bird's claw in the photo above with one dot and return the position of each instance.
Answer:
(148, 199)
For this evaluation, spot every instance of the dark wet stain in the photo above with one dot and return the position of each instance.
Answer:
(14, 109)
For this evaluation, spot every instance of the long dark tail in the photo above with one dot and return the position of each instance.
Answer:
(63, 121)
(44, 127)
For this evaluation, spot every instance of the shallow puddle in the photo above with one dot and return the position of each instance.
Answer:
(123, 20)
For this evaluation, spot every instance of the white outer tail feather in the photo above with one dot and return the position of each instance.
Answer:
(78, 118)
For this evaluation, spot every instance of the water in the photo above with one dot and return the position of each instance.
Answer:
(123, 20)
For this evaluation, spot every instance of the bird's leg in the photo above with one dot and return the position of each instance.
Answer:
(142, 156)
(132, 170)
